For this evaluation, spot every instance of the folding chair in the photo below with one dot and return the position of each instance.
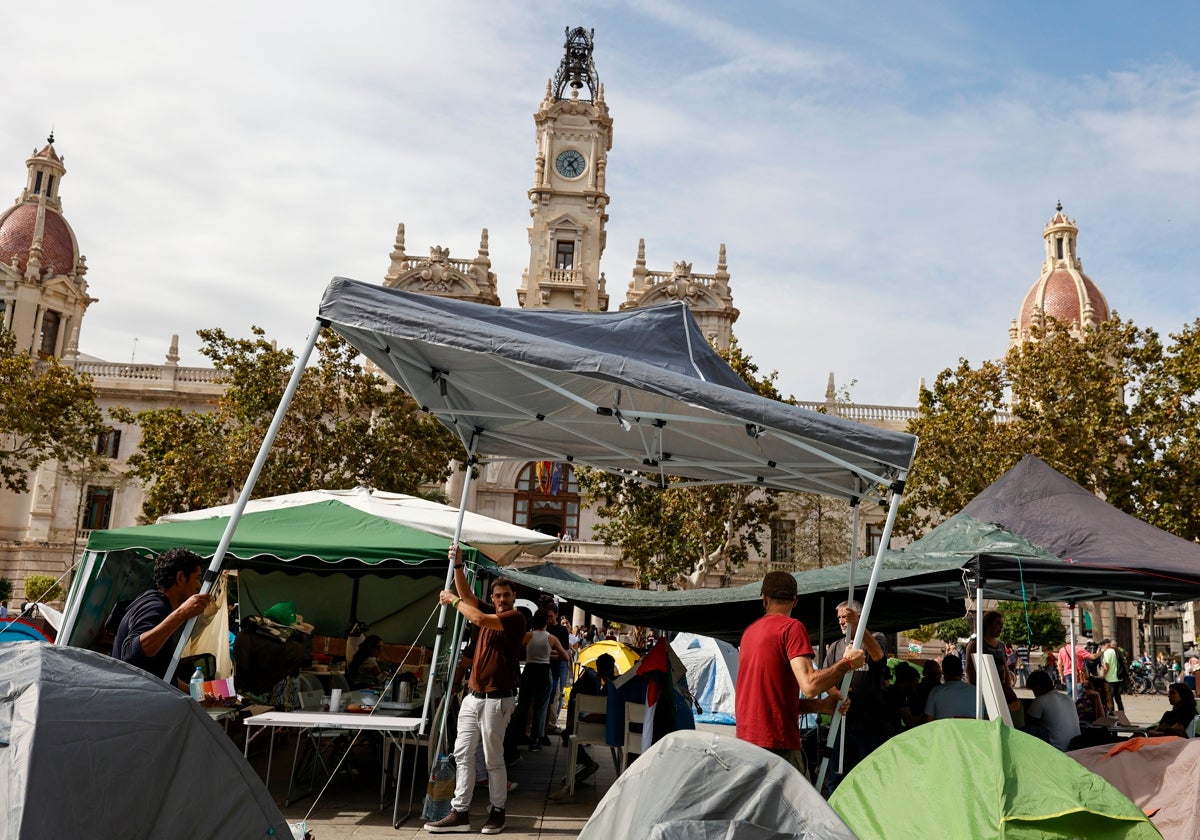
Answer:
(635, 718)
(587, 733)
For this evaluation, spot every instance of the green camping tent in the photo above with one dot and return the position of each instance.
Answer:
(981, 779)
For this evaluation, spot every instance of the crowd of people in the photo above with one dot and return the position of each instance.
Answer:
(504, 707)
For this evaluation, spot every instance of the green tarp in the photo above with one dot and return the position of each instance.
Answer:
(982, 780)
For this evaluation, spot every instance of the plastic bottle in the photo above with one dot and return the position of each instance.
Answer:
(440, 790)
(196, 685)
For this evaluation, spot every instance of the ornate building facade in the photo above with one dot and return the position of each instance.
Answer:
(43, 298)
(44, 295)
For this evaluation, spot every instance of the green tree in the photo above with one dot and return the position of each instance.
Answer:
(1168, 415)
(346, 426)
(1031, 623)
(1076, 402)
(676, 535)
(6, 589)
(47, 412)
(42, 588)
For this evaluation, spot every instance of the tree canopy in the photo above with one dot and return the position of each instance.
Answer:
(346, 426)
(47, 412)
(1113, 410)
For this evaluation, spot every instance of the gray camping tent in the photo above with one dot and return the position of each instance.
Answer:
(706, 785)
(93, 747)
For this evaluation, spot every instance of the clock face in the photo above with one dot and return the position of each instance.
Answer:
(570, 163)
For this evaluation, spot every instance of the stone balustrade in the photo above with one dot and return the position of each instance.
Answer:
(130, 372)
(565, 275)
(461, 266)
(656, 278)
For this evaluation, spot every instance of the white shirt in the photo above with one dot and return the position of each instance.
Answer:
(538, 649)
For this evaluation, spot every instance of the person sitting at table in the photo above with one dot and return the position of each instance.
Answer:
(363, 670)
(1051, 716)
(1176, 720)
(1090, 706)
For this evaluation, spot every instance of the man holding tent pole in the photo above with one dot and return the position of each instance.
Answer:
(145, 636)
(775, 664)
(489, 701)
(866, 726)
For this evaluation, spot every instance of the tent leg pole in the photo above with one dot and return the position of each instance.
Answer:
(1071, 663)
(979, 645)
(442, 610)
(885, 538)
(214, 567)
(849, 597)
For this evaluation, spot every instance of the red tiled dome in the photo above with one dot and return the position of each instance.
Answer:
(16, 236)
(1062, 296)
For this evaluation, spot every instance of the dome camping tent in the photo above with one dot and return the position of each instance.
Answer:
(711, 675)
(93, 747)
(981, 779)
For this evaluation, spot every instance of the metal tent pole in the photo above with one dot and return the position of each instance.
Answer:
(854, 504)
(978, 644)
(868, 600)
(443, 609)
(214, 568)
(1071, 663)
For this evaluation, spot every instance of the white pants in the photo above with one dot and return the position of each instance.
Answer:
(483, 721)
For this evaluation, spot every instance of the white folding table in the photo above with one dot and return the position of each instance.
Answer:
(397, 731)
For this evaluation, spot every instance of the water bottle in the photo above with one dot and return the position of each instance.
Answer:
(440, 790)
(196, 685)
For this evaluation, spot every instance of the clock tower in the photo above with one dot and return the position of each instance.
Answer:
(566, 236)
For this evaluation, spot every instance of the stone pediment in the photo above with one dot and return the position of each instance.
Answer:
(65, 286)
(564, 222)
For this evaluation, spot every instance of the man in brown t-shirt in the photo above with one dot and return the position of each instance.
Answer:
(489, 701)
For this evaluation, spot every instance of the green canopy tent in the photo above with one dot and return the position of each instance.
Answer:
(977, 779)
(339, 555)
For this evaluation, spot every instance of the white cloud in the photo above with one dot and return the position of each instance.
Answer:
(880, 182)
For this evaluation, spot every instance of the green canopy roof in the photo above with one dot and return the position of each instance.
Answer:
(316, 536)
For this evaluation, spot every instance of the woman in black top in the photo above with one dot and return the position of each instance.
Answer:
(1176, 719)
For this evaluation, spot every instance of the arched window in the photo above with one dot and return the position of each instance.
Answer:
(49, 338)
(547, 499)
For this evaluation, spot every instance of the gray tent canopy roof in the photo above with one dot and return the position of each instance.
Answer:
(638, 390)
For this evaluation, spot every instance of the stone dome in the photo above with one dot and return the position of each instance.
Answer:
(1063, 291)
(1065, 295)
(16, 237)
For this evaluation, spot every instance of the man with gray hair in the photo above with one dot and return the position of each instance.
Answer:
(867, 725)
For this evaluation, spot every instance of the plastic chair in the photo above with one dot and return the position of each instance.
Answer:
(635, 718)
(587, 733)
(1191, 727)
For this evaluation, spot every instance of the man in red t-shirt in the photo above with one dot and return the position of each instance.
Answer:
(775, 664)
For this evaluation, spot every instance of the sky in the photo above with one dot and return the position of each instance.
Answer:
(880, 173)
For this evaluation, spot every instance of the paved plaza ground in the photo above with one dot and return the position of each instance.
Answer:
(349, 808)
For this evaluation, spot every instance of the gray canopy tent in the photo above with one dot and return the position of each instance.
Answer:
(638, 391)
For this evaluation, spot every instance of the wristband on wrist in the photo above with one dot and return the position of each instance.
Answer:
(459, 566)
(454, 603)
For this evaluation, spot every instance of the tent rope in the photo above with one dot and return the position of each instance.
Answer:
(333, 773)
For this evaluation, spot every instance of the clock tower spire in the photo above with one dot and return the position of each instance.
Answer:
(569, 202)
